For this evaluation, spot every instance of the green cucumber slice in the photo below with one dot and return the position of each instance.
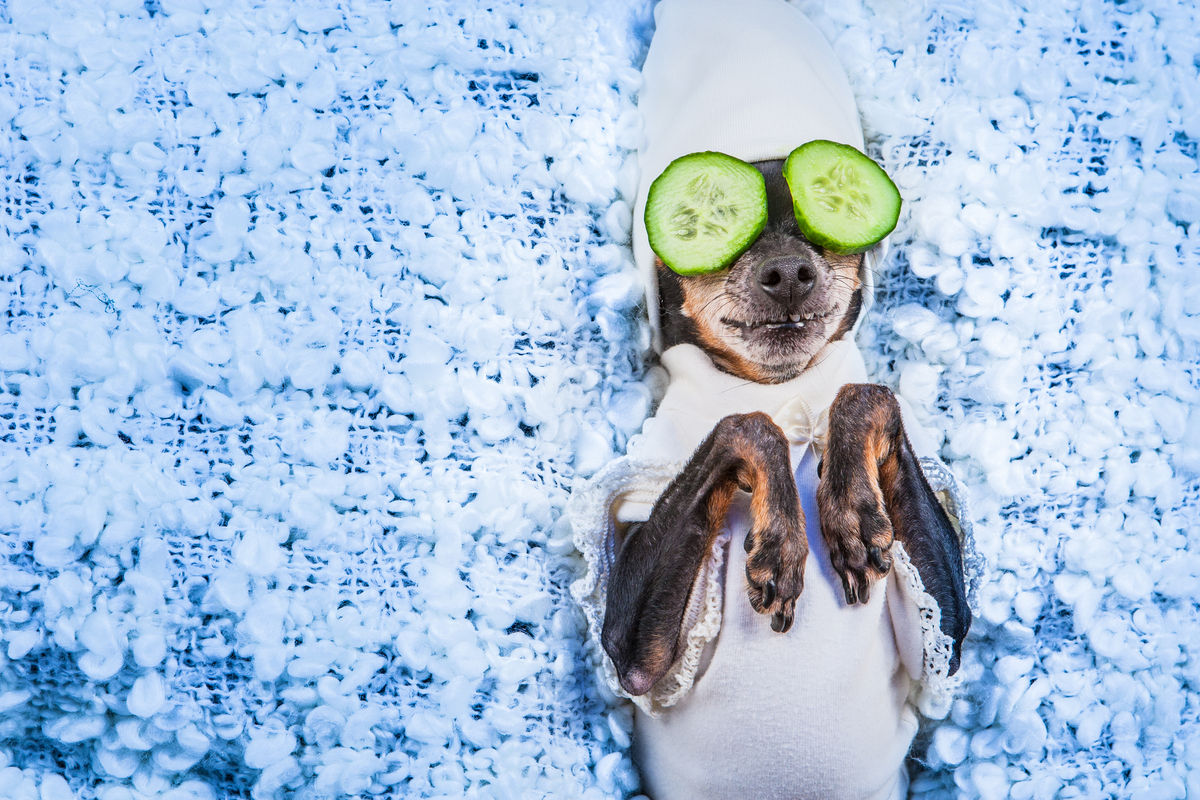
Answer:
(704, 210)
(843, 200)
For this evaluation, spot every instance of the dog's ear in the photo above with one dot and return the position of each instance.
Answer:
(852, 313)
(676, 327)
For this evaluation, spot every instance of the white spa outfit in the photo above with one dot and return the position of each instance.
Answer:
(826, 710)
(829, 709)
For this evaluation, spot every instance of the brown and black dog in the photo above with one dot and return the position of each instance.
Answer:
(766, 318)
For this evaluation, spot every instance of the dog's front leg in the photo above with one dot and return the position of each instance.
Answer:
(872, 490)
(659, 559)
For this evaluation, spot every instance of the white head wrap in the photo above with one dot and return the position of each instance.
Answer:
(751, 78)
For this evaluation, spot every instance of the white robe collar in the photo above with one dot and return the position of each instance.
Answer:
(700, 395)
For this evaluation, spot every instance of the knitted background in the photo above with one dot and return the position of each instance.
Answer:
(313, 313)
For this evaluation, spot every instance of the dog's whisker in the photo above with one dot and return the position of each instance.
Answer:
(723, 296)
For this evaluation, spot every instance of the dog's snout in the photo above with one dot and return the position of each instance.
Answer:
(786, 279)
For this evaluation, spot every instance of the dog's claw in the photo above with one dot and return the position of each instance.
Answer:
(768, 594)
(781, 622)
(879, 559)
(775, 577)
(851, 597)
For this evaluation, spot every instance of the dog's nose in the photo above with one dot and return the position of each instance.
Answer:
(786, 279)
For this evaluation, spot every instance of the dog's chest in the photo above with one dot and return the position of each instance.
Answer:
(820, 711)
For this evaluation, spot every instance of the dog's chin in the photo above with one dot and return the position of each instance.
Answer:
(780, 349)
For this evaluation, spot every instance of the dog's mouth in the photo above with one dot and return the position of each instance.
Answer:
(792, 322)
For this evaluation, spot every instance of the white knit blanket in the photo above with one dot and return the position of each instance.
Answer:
(313, 312)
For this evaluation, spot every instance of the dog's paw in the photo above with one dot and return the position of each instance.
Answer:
(776, 552)
(865, 431)
(855, 525)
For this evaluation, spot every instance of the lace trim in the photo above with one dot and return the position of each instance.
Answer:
(590, 513)
(953, 499)
(934, 692)
(678, 681)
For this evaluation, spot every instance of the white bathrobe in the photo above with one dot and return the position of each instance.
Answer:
(826, 710)
(829, 709)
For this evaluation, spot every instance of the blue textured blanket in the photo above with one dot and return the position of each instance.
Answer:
(314, 312)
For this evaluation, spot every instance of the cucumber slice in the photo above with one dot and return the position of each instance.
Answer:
(704, 210)
(843, 200)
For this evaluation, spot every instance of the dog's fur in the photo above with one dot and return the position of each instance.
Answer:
(767, 318)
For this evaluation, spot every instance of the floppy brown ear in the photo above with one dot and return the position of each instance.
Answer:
(852, 313)
(676, 327)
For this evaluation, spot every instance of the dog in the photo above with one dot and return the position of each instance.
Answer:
(766, 319)
(773, 578)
